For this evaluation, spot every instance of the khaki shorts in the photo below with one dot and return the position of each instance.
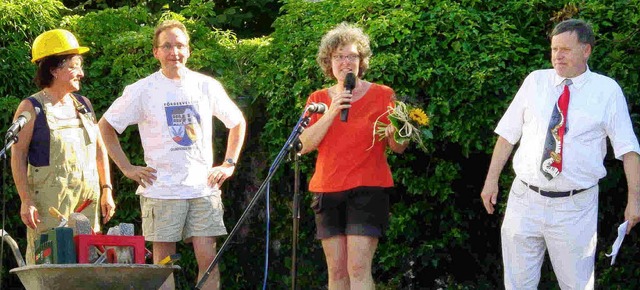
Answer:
(172, 220)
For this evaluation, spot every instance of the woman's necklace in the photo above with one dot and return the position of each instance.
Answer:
(57, 102)
(60, 108)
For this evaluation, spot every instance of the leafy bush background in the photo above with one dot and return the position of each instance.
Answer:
(463, 60)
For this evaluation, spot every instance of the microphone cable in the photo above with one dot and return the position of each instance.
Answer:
(4, 211)
(268, 215)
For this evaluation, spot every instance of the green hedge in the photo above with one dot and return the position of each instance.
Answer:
(464, 61)
(20, 22)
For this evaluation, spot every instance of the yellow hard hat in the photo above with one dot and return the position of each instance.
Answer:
(55, 42)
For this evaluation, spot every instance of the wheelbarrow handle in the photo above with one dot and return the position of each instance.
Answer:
(14, 247)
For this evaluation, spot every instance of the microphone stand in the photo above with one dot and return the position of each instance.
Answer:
(13, 139)
(296, 214)
(9, 141)
(293, 138)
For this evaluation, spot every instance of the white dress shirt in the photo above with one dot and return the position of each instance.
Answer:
(597, 109)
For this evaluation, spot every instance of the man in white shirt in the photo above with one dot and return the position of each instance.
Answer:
(179, 188)
(553, 201)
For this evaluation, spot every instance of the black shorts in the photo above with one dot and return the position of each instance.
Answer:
(362, 211)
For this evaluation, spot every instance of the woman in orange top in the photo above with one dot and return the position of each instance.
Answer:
(352, 181)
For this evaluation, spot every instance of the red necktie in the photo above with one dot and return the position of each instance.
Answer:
(552, 156)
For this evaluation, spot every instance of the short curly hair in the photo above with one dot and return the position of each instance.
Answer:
(343, 34)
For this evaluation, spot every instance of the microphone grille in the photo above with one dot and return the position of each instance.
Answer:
(323, 107)
(350, 81)
(27, 115)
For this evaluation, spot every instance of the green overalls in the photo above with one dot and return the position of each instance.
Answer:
(62, 171)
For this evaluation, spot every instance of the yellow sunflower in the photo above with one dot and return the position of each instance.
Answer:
(419, 116)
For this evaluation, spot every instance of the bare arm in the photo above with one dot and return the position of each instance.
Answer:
(107, 205)
(19, 152)
(501, 153)
(235, 141)
(142, 175)
(312, 136)
(631, 162)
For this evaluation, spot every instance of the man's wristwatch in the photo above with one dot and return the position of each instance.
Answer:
(230, 161)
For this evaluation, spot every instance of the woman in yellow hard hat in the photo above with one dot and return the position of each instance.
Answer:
(60, 160)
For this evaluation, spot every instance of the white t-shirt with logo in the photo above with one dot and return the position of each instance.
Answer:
(175, 119)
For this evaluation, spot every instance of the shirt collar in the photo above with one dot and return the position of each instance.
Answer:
(578, 81)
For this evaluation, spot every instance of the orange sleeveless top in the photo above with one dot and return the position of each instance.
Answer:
(345, 159)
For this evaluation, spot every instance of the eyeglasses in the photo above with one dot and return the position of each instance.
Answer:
(350, 58)
(169, 47)
(73, 68)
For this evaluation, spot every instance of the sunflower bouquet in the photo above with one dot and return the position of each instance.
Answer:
(411, 123)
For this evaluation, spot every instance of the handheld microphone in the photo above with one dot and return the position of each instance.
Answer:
(349, 84)
(18, 124)
(319, 108)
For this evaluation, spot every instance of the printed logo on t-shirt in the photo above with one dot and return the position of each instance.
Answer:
(184, 122)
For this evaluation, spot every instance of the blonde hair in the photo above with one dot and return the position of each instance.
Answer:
(168, 24)
(343, 34)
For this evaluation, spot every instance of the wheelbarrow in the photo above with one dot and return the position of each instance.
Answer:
(87, 276)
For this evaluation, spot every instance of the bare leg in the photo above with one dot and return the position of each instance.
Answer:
(205, 250)
(360, 250)
(160, 251)
(335, 251)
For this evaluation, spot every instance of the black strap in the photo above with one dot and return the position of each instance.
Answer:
(81, 105)
(554, 193)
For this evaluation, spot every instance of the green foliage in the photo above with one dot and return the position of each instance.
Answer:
(121, 53)
(465, 61)
(248, 18)
(21, 21)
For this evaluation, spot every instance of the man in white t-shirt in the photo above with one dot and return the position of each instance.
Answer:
(179, 188)
(562, 118)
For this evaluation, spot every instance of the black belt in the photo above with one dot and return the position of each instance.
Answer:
(554, 193)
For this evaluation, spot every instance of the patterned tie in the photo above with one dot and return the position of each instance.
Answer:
(552, 155)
